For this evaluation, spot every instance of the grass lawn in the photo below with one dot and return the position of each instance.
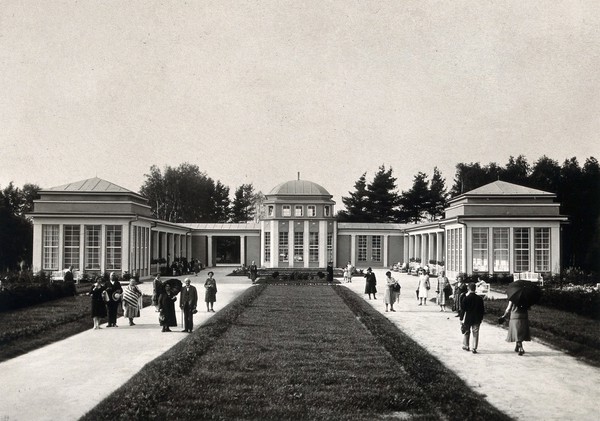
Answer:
(32, 327)
(295, 352)
(576, 335)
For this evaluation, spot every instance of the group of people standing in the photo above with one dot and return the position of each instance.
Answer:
(164, 296)
(107, 296)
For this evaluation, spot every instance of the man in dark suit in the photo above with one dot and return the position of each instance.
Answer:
(472, 316)
(115, 292)
(187, 303)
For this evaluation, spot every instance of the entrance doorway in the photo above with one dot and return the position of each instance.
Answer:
(227, 250)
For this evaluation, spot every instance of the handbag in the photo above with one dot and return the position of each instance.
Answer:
(396, 287)
(105, 296)
(448, 290)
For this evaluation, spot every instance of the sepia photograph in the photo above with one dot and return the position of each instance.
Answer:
(299, 210)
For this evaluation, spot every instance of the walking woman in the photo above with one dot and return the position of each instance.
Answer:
(392, 291)
(518, 325)
(443, 290)
(157, 289)
(371, 284)
(98, 304)
(210, 296)
(132, 301)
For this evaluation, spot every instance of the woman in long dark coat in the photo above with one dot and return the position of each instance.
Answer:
(371, 284)
(166, 307)
(98, 304)
(518, 325)
(210, 296)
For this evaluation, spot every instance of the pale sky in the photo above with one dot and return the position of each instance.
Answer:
(256, 91)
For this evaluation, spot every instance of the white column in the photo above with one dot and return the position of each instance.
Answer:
(126, 249)
(323, 243)
(411, 246)
(555, 249)
(406, 248)
(243, 250)
(103, 249)
(385, 250)
(353, 249)
(334, 243)
(274, 244)
(210, 253)
(81, 247)
(36, 262)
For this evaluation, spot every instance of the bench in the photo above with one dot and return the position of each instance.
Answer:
(530, 276)
(59, 275)
(482, 288)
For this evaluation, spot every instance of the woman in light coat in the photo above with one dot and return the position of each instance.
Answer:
(442, 284)
(391, 295)
(423, 287)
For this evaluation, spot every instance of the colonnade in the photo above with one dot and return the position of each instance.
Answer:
(424, 246)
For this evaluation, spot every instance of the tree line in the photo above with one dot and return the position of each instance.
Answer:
(576, 186)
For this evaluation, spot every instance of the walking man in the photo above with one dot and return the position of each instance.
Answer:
(472, 317)
(188, 303)
(115, 291)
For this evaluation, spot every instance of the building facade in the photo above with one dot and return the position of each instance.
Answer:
(97, 226)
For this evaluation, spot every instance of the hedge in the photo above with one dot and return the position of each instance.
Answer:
(17, 296)
(584, 303)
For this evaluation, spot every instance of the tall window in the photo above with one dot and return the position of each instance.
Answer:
(286, 210)
(283, 247)
(50, 247)
(311, 210)
(267, 246)
(92, 247)
(376, 248)
(454, 249)
(500, 251)
(313, 247)
(330, 247)
(298, 210)
(71, 246)
(521, 249)
(326, 210)
(270, 210)
(480, 249)
(362, 248)
(542, 249)
(113, 246)
(298, 246)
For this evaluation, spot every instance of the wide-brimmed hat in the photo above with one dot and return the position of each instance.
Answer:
(210, 273)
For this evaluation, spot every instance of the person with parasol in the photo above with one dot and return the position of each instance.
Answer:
(521, 296)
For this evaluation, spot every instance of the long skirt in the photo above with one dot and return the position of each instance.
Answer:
(518, 330)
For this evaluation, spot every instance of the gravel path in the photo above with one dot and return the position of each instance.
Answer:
(543, 384)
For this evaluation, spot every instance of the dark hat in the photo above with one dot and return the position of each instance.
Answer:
(369, 269)
(211, 272)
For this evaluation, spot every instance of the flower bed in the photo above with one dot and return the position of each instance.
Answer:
(579, 299)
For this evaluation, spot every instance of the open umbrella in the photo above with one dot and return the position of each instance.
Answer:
(175, 285)
(524, 293)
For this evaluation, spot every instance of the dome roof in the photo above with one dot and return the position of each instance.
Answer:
(299, 188)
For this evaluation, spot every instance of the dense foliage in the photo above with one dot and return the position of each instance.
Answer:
(16, 231)
(32, 290)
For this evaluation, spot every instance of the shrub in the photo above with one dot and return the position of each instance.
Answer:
(577, 299)
(16, 296)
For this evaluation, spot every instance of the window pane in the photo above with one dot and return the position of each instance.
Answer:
(286, 210)
(480, 249)
(113, 246)
(313, 247)
(298, 246)
(329, 247)
(283, 247)
(362, 248)
(50, 247)
(267, 246)
(500, 251)
(376, 248)
(298, 211)
(92, 247)
(542, 249)
(521, 249)
(71, 246)
(311, 211)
